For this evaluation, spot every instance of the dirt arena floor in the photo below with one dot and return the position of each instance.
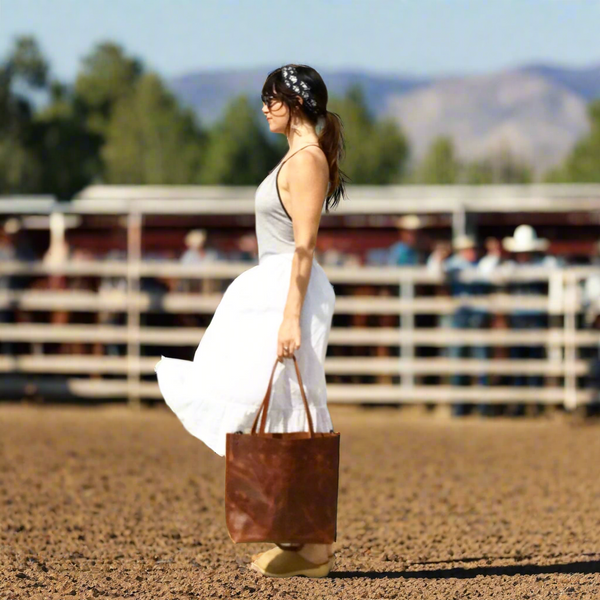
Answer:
(107, 503)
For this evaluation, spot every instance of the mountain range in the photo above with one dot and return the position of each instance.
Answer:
(536, 111)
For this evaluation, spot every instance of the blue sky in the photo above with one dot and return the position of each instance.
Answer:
(419, 37)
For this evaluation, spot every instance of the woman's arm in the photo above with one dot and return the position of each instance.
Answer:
(306, 184)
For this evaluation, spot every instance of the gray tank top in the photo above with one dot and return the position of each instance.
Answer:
(274, 230)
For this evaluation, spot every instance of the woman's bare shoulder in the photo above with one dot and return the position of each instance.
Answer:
(310, 161)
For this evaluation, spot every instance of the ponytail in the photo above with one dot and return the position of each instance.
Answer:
(331, 140)
(292, 82)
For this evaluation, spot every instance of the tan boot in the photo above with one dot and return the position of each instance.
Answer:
(287, 563)
(293, 547)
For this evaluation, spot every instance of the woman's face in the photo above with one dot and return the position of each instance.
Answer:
(276, 113)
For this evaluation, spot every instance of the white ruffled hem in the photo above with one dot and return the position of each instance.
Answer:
(210, 421)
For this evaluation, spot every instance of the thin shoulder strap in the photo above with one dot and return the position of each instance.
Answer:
(290, 156)
(280, 163)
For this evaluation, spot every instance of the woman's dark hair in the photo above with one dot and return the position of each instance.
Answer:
(312, 88)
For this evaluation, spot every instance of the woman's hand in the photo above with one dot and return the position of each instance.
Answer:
(288, 339)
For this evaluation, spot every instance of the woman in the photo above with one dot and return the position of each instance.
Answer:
(281, 307)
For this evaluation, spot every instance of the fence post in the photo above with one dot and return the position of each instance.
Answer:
(407, 326)
(134, 254)
(556, 309)
(570, 332)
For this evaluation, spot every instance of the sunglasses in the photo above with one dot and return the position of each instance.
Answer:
(268, 100)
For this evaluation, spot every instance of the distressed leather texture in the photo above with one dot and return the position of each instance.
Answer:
(282, 487)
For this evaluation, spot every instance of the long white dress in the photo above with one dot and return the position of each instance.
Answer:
(221, 390)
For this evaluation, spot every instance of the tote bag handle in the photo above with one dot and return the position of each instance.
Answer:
(265, 403)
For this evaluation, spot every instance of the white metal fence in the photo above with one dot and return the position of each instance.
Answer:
(404, 362)
(402, 373)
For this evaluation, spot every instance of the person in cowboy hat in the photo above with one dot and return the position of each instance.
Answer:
(196, 252)
(527, 250)
(465, 257)
(590, 298)
(524, 243)
(404, 251)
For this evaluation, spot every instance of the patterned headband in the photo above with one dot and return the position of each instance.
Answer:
(290, 78)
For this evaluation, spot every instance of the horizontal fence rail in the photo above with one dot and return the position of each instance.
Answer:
(423, 366)
(192, 303)
(337, 366)
(355, 336)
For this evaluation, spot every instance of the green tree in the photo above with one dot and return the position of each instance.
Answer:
(239, 152)
(583, 163)
(25, 68)
(501, 167)
(439, 165)
(150, 139)
(107, 76)
(68, 151)
(376, 150)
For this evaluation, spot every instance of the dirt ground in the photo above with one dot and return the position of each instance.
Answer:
(104, 502)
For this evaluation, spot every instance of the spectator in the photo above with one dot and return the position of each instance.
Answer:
(404, 251)
(527, 250)
(435, 266)
(487, 267)
(376, 257)
(465, 316)
(328, 254)
(246, 251)
(492, 258)
(7, 254)
(247, 248)
(197, 253)
(116, 285)
(441, 252)
(591, 306)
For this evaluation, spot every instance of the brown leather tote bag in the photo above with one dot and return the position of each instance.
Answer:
(282, 487)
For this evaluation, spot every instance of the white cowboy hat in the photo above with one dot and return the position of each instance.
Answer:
(463, 242)
(409, 222)
(195, 238)
(525, 239)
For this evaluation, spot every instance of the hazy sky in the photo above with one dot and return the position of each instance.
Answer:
(421, 37)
